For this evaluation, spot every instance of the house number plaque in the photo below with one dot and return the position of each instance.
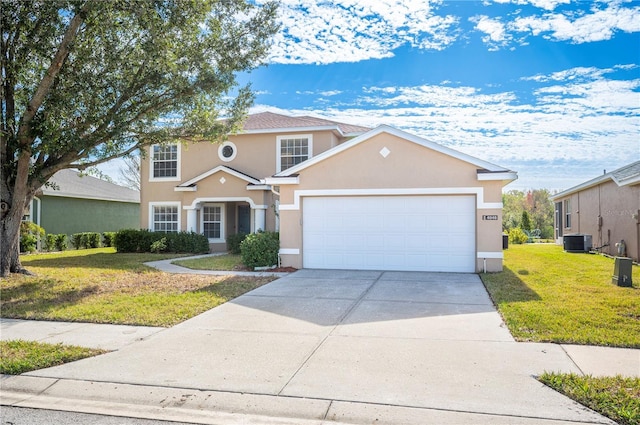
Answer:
(489, 217)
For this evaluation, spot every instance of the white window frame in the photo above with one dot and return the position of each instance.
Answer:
(567, 213)
(279, 140)
(221, 149)
(222, 221)
(152, 178)
(152, 206)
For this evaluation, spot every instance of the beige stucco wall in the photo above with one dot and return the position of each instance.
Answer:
(408, 165)
(616, 205)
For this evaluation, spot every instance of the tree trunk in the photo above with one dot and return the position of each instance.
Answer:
(10, 238)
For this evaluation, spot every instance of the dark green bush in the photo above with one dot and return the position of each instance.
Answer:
(62, 242)
(132, 240)
(260, 249)
(107, 238)
(234, 241)
(85, 240)
(50, 241)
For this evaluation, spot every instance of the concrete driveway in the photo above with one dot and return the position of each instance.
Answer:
(353, 346)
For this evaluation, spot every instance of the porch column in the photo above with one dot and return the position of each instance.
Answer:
(259, 219)
(192, 220)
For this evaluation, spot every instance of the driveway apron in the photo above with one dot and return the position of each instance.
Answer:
(409, 339)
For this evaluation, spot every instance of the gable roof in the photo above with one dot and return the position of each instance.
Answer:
(72, 184)
(191, 185)
(269, 122)
(627, 175)
(488, 171)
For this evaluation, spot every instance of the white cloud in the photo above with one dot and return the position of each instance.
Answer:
(597, 26)
(495, 30)
(350, 30)
(542, 4)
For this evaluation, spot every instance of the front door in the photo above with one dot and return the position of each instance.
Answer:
(244, 219)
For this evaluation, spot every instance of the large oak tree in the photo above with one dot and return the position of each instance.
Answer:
(86, 81)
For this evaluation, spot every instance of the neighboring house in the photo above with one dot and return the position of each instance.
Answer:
(73, 203)
(606, 207)
(341, 196)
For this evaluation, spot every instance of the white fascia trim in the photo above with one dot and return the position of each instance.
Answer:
(511, 176)
(294, 130)
(482, 254)
(289, 251)
(398, 133)
(279, 181)
(478, 191)
(258, 187)
(217, 169)
(177, 178)
(193, 188)
(194, 204)
(164, 204)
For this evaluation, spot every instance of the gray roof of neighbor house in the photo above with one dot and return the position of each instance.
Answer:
(269, 122)
(628, 175)
(71, 184)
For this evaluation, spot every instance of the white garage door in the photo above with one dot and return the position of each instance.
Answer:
(421, 233)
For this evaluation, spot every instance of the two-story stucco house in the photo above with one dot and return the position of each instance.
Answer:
(342, 196)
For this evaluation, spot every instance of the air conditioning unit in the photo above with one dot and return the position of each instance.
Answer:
(577, 243)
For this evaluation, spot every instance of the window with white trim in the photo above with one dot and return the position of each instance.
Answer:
(567, 213)
(165, 218)
(292, 150)
(212, 221)
(165, 162)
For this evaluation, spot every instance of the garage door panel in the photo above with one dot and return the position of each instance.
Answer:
(430, 233)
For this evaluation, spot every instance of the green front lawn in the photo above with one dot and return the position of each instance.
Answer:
(20, 356)
(545, 294)
(102, 286)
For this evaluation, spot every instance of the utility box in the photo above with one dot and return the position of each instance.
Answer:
(577, 243)
(505, 241)
(622, 272)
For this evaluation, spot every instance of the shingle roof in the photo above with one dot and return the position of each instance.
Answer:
(273, 121)
(628, 175)
(71, 184)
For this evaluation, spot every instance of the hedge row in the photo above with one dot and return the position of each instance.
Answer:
(133, 240)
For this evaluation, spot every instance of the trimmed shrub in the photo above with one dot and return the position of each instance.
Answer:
(107, 238)
(62, 242)
(260, 249)
(159, 246)
(85, 240)
(30, 233)
(132, 240)
(517, 236)
(50, 241)
(234, 241)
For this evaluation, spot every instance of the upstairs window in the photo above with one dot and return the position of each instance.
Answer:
(165, 162)
(292, 150)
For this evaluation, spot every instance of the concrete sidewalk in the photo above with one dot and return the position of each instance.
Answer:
(320, 347)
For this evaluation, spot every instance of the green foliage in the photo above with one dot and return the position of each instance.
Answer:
(159, 246)
(517, 236)
(107, 238)
(86, 240)
(50, 241)
(133, 240)
(62, 242)
(260, 249)
(618, 397)
(525, 223)
(234, 241)
(538, 206)
(30, 233)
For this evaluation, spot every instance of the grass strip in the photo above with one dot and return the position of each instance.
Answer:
(617, 398)
(18, 356)
(216, 262)
(547, 295)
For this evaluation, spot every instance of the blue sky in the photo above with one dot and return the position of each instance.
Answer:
(548, 88)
